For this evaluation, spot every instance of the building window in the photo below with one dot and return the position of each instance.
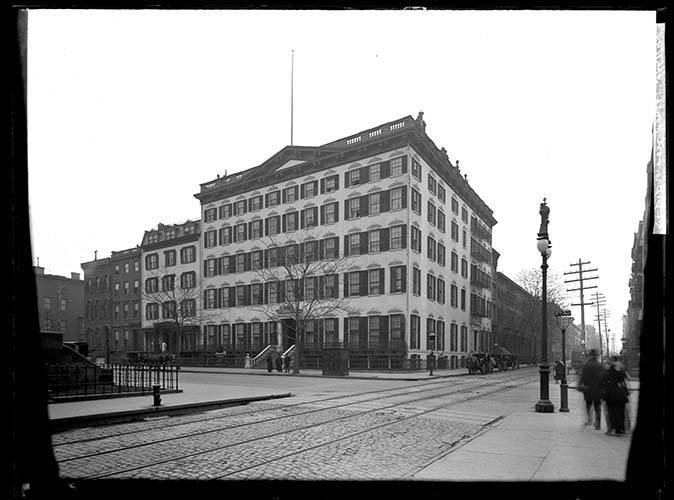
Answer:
(453, 290)
(125, 311)
(136, 266)
(416, 201)
(126, 267)
(431, 217)
(273, 225)
(330, 211)
(210, 267)
(240, 232)
(255, 203)
(416, 169)
(225, 211)
(256, 229)
(188, 280)
(309, 217)
(441, 291)
(397, 195)
(430, 248)
(170, 258)
(454, 264)
(432, 184)
(464, 215)
(415, 331)
(374, 207)
(463, 299)
(374, 241)
(152, 311)
(290, 194)
(126, 288)
(273, 198)
(210, 298)
(415, 235)
(354, 244)
(115, 311)
(416, 281)
(210, 214)
(240, 207)
(464, 268)
(396, 167)
(453, 337)
(151, 285)
(331, 183)
(397, 328)
(396, 237)
(375, 284)
(442, 194)
(455, 206)
(256, 291)
(430, 287)
(463, 239)
(291, 222)
(330, 284)
(441, 220)
(256, 260)
(63, 304)
(330, 248)
(309, 189)
(152, 261)
(116, 288)
(225, 235)
(354, 283)
(430, 334)
(354, 208)
(464, 338)
(441, 259)
(136, 309)
(240, 262)
(455, 231)
(188, 254)
(209, 239)
(354, 177)
(116, 269)
(375, 172)
(310, 288)
(397, 279)
(168, 283)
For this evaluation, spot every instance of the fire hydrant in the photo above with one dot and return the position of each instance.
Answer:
(156, 394)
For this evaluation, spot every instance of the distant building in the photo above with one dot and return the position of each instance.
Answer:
(98, 306)
(60, 304)
(513, 327)
(171, 287)
(126, 300)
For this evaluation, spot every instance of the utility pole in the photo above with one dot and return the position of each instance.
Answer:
(606, 331)
(600, 301)
(582, 289)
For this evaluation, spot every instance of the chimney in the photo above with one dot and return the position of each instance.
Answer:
(39, 271)
(75, 276)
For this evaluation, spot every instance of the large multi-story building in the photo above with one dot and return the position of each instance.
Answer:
(414, 237)
(60, 304)
(126, 299)
(171, 287)
(513, 326)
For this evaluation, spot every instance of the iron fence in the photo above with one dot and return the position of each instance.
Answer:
(93, 380)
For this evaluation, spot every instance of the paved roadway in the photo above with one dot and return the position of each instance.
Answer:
(329, 429)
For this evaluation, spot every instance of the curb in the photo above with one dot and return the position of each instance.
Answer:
(67, 423)
(342, 377)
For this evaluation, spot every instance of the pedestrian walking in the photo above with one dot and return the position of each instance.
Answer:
(286, 364)
(591, 384)
(616, 397)
(559, 371)
(270, 364)
(279, 363)
(431, 363)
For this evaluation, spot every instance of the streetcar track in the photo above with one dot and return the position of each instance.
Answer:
(499, 385)
(208, 419)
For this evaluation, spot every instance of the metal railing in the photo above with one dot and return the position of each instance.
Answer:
(90, 380)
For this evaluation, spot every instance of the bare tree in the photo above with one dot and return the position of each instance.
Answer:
(303, 277)
(177, 300)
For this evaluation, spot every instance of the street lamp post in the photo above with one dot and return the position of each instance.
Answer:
(543, 245)
(563, 320)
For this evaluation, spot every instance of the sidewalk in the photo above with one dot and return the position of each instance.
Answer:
(530, 446)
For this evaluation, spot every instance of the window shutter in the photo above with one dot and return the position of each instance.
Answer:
(321, 284)
(321, 250)
(363, 283)
(322, 186)
(245, 232)
(302, 219)
(336, 204)
(205, 299)
(364, 205)
(218, 299)
(384, 201)
(390, 270)
(404, 272)
(206, 268)
(346, 179)
(250, 204)
(336, 177)
(385, 169)
(322, 214)
(346, 284)
(266, 200)
(404, 164)
(297, 190)
(383, 331)
(246, 293)
(404, 200)
(246, 262)
(347, 205)
(283, 223)
(302, 191)
(346, 245)
(384, 239)
(382, 279)
(336, 238)
(283, 196)
(232, 263)
(362, 329)
(220, 231)
(231, 291)
(364, 247)
(404, 236)
(364, 175)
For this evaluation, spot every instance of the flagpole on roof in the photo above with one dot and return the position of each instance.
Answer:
(292, 71)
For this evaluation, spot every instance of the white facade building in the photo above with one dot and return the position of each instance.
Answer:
(414, 237)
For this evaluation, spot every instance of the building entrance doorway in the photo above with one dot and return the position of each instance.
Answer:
(287, 332)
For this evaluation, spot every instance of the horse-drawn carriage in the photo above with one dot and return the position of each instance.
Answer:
(480, 362)
(505, 360)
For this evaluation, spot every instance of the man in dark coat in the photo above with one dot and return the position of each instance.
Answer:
(286, 364)
(279, 365)
(591, 385)
(615, 395)
(270, 364)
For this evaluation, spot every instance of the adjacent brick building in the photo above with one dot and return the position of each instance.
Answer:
(61, 304)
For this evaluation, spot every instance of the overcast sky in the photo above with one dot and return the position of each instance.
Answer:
(129, 111)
